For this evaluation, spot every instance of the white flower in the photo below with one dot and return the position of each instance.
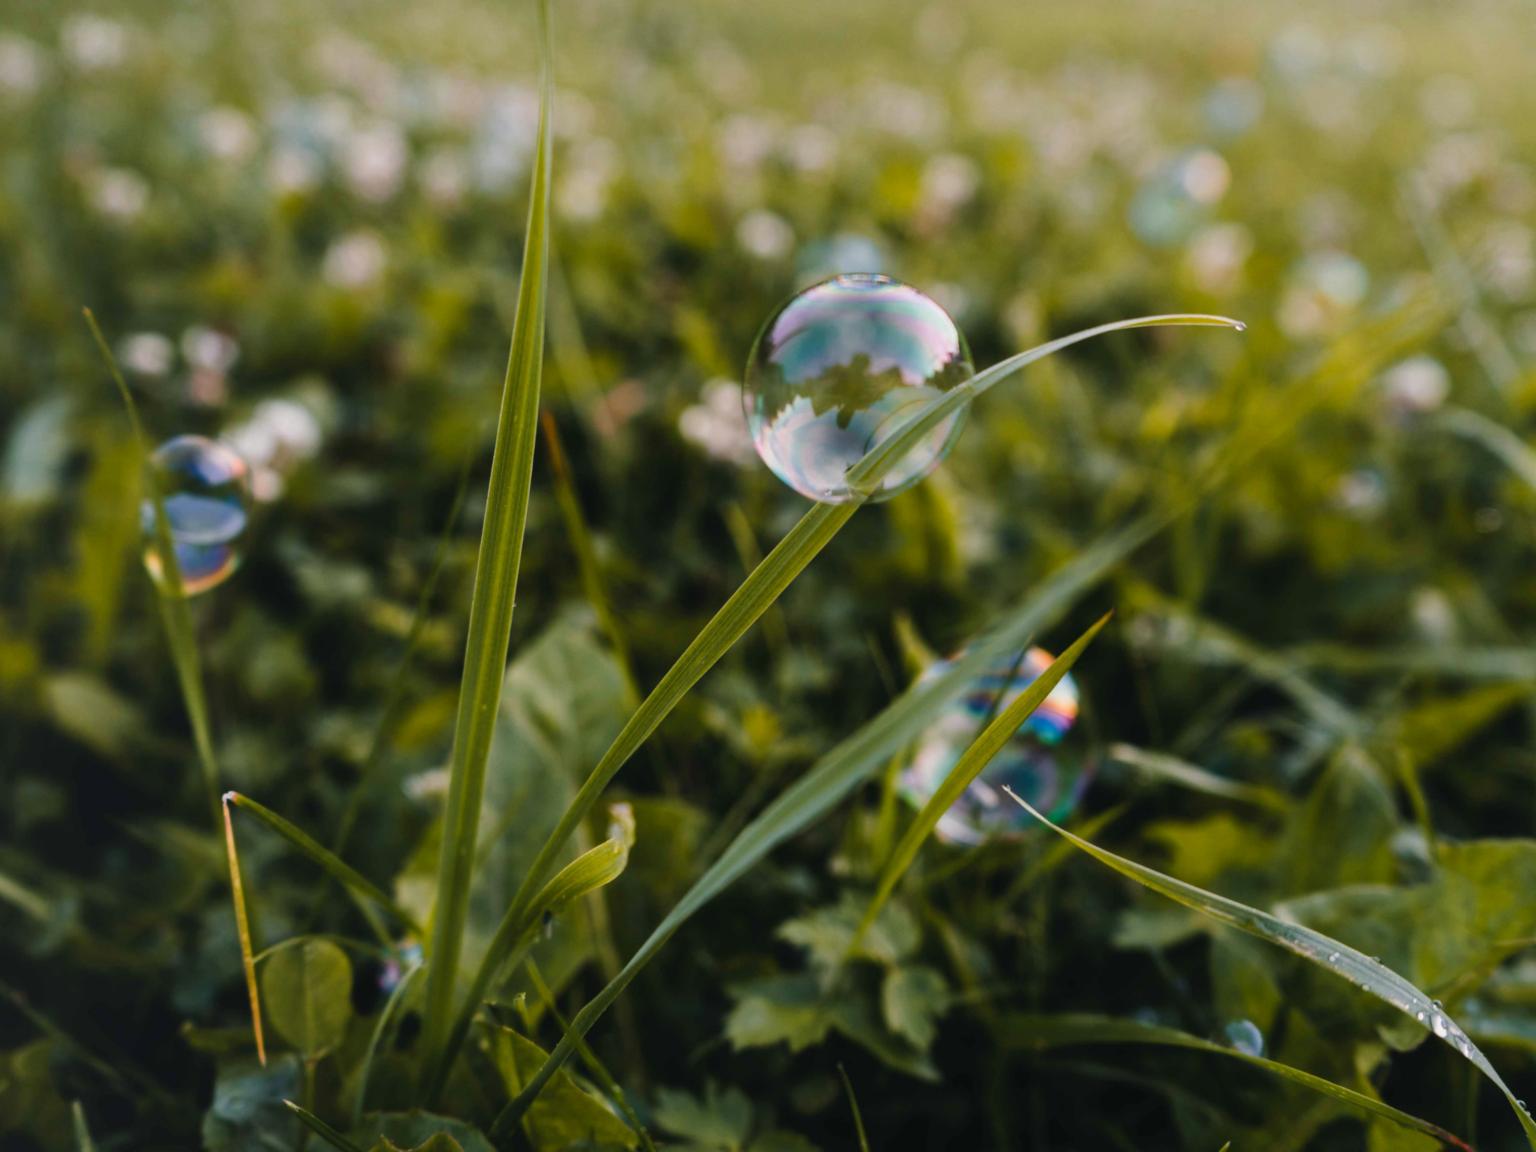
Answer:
(1205, 176)
(716, 424)
(293, 171)
(374, 161)
(120, 193)
(209, 350)
(589, 171)
(147, 353)
(21, 65)
(949, 180)
(226, 133)
(445, 177)
(1216, 255)
(765, 234)
(94, 43)
(1415, 385)
(356, 260)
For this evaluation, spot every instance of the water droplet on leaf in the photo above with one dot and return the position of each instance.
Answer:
(838, 369)
(205, 489)
(1244, 1035)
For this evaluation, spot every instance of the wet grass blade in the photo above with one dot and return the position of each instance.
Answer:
(1359, 969)
(847, 766)
(243, 930)
(1069, 1031)
(987, 744)
(495, 590)
(745, 606)
(175, 614)
(1073, 1031)
(321, 1129)
(344, 874)
(1160, 766)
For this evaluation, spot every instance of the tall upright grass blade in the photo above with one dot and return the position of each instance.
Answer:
(988, 743)
(496, 572)
(848, 765)
(243, 930)
(1359, 969)
(1077, 1030)
(339, 870)
(744, 607)
(175, 614)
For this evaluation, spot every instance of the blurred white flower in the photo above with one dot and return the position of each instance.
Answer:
(147, 353)
(1433, 616)
(1216, 255)
(1361, 493)
(1322, 289)
(22, 66)
(445, 177)
(765, 234)
(948, 182)
(811, 148)
(292, 171)
(1205, 176)
(209, 350)
(1416, 385)
(905, 112)
(374, 160)
(745, 141)
(716, 424)
(119, 193)
(278, 435)
(1448, 100)
(504, 139)
(1509, 260)
(426, 785)
(356, 260)
(589, 170)
(94, 43)
(226, 133)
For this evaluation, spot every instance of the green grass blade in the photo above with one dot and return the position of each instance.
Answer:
(321, 1129)
(745, 606)
(175, 614)
(243, 930)
(1069, 1031)
(496, 572)
(1160, 766)
(1510, 449)
(83, 1141)
(1359, 969)
(848, 765)
(349, 877)
(987, 744)
(380, 1028)
(853, 1106)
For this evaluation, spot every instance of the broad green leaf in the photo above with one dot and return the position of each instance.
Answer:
(247, 1113)
(1073, 1030)
(567, 1114)
(988, 743)
(308, 991)
(829, 934)
(913, 998)
(1359, 969)
(851, 763)
(419, 1132)
(490, 610)
(720, 1119)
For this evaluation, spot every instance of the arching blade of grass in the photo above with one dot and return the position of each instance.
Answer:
(1511, 450)
(175, 613)
(754, 597)
(1070, 1031)
(496, 572)
(243, 930)
(344, 874)
(1359, 969)
(1160, 766)
(847, 766)
(321, 1129)
(987, 744)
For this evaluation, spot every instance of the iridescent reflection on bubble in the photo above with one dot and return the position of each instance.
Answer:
(838, 369)
(205, 488)
(1044, 761)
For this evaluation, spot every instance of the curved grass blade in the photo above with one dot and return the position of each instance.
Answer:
(243, 930)
(1511, 450)
(853, 1106)
(1359, 969)
(175, 613)
(1070, 1031)
(496, 572)
(847, 766)
(365, 1070)
(753, 598)
(987, 744)
(83, 1141)
(1160, 766)
(321, 1129)
(346, 875)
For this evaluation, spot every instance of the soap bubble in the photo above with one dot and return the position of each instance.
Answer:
(204, 486)
(1041, 762)
(838, 369)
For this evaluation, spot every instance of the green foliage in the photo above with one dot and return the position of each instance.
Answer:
(307, 989)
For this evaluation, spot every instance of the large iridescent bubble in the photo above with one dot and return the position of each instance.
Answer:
(1045, 761)
(205, 487)
(837, 369)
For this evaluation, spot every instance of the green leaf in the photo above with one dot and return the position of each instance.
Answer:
(247, 1113)
(988, 743)
(321, 1129)
(490, 610)
(1074, 1030)
(788, 1009)
(308, 990)
(912, 999)
(851, 763)
(1359, 969)
(567, 1114)
(83, 1141)
(721, 1119)
(419, 1132)
(829, 934)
